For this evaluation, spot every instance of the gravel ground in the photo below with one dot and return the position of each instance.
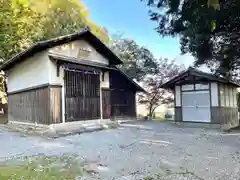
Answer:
(139, 150)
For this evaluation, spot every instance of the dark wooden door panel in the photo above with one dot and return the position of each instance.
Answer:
(82, 96)
(106, 103)
(123, 104)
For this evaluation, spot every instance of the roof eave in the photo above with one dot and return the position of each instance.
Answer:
(138, 88)
(117, 59)
(64, 59)
(114, 60)
(167, 86)
(171, 83)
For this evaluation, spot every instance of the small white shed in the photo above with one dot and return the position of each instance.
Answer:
(204, 97)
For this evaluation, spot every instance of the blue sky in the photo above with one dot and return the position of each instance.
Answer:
(131, 18)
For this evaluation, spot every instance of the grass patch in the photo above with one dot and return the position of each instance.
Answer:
(41, 168)
(158, 119)
(24, 130)
(112, 125)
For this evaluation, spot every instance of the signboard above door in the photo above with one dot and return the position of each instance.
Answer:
(84, 52)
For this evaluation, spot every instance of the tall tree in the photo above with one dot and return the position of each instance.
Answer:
(208, 29)
(138, 60)
(5, 26)
(24, 22)
(141, 65)
(157, 96)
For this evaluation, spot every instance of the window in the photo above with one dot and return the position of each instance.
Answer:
(201, 86)
(187, 87)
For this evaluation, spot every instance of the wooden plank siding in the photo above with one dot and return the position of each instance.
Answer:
(123, 97)
(82, 96)
(106, 103)
(39, 105)
(178, 114)
(224, 115)
(123, 104)
(29, 106)
(55, 104)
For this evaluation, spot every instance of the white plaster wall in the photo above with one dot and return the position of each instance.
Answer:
(214, 94)
(33, 71)
(73, 49)
(60, 80)
(178, 95)
(53, 73)
(105, 82)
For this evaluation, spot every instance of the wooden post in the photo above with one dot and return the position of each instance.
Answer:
(101, 107)
(62, 74)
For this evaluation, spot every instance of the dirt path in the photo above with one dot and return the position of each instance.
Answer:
(130, 152)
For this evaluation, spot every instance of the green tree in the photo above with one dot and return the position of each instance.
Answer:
(24, 22)
(208, 29)
(141, 65)
(138, 61)
(5, 26)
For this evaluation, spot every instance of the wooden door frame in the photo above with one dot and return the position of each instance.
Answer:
(99, 105)
(63, 95)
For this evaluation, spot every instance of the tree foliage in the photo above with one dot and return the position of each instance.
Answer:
(208, 29)
(24, 22)
(141, 65)
(3, 88)
(138, 61)
(157, 96)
